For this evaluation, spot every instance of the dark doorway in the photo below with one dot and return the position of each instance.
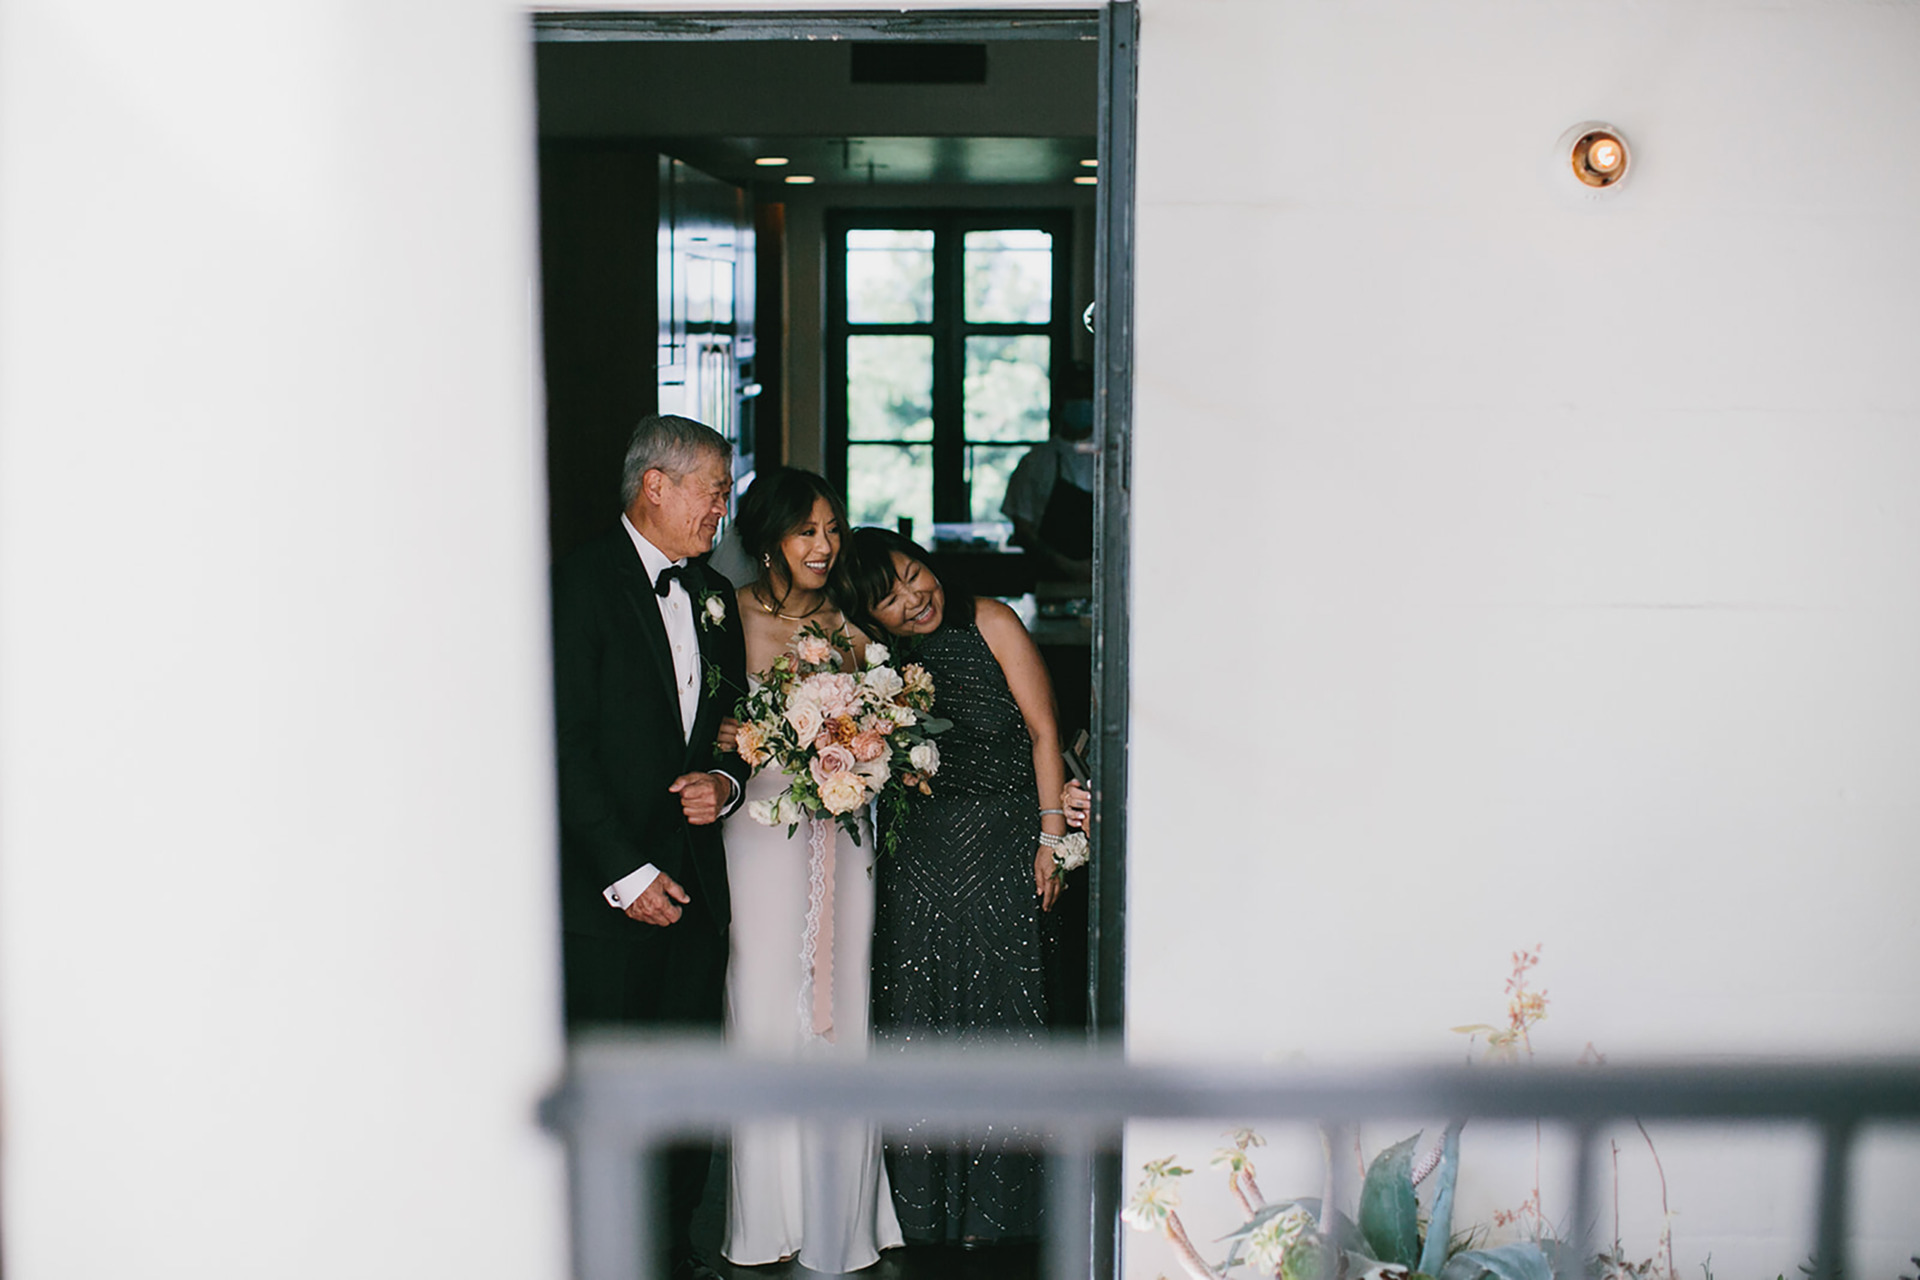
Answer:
(683, 272)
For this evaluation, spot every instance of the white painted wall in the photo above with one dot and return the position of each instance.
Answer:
(278, 983)
(1578, 605)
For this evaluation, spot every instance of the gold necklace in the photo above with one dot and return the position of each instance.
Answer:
(774, 610)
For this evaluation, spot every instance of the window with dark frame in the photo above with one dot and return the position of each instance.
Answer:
(946, 336)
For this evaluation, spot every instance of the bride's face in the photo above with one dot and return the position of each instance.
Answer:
(916, 605)
(811, 547)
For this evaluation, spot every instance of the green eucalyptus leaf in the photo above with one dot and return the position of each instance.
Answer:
(1389, 1211)
(1523, 1261)
(934, 724)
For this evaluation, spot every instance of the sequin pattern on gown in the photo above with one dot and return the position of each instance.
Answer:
(956, 949)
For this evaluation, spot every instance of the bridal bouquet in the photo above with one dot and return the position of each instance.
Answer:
(843, 739)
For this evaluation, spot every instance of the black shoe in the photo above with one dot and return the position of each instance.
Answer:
(692, 1268)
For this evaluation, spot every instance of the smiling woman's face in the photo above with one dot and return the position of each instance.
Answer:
(916, 605)
(810, 549)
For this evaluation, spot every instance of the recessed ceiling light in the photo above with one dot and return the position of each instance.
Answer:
(1091, 164)
(770, 161)
(1087, 180)
(800, 179)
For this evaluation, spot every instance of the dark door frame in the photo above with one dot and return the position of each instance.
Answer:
(1115, 24)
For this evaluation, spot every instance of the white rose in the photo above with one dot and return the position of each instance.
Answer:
(804, 715)
(926, 758)
(764, 812)
(716, 608)
(877, 654)
(903, 715)
(882, 683)
(875, 772)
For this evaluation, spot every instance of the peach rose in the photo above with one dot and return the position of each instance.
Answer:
(868, 745)
(750, 742)
(842, 792)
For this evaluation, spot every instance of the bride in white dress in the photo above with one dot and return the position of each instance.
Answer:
(815, 1190)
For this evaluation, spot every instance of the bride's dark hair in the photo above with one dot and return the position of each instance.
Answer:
(863, 577)
(778, 502)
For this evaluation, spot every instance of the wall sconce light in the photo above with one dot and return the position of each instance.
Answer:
(1596, 155)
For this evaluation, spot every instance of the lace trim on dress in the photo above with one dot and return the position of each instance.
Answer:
(816, 940)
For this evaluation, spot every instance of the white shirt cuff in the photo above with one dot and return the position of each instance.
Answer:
(621, 893)
(739, 792)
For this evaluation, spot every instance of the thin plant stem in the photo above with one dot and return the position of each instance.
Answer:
(1616, 1196)
(1190, 1260)
(1666, 1215)
(1326, 1195)
(1240, 1196)
(1539, 1222)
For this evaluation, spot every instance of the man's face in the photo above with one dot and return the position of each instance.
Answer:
(684, 513)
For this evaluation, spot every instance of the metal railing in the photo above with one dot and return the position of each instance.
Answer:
(623, 1096)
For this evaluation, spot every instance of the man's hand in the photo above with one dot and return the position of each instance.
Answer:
(702, 796)
(659, 903)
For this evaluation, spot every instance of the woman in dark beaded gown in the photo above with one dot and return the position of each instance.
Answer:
(956, 948)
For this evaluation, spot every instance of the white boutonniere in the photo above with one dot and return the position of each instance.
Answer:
(713, 609)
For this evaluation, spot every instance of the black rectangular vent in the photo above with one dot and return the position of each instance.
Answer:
(910, 62)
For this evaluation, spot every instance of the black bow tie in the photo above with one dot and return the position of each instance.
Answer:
(664, 583)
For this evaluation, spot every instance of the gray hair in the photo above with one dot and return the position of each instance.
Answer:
(667, 442)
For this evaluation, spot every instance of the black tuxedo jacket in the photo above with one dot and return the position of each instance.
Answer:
(619, 745)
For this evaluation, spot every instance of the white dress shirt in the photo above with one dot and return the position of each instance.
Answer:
(683, 638)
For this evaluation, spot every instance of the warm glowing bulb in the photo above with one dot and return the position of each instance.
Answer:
(1599, 158)
(1087, 181)
(770, 161)
(799, 179)
(1091, 164)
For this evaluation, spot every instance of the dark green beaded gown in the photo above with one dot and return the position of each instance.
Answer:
(956, 948)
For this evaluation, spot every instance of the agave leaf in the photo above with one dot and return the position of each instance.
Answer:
(1265, 1212)
(1523, 1261)
(1440, 1222)
(1389, 1213)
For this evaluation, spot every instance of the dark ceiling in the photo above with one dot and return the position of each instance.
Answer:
(887, 161)
(1020, 112)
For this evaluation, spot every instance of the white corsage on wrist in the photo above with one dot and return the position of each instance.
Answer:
(1070, 851)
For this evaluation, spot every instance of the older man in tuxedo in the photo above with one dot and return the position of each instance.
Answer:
(647, 658)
